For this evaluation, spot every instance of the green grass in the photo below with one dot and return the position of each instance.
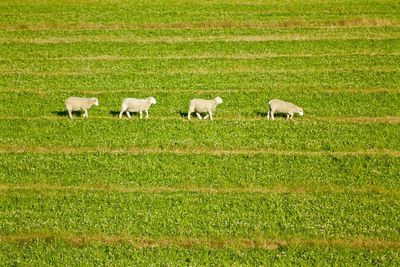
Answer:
(200, 12)
(322, 189)
(218, 48)
(328, 80)
(269, 65)
(204, 171)
(203, 215)
(180, 133)
(162, 35)
(236, 104)
(59, 253)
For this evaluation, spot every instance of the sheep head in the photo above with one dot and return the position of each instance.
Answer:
(152, 100)
(95, 101)
(218, 100)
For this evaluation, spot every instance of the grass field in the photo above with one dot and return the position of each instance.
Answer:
(323, 189)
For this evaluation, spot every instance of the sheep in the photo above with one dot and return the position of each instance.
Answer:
(202, 105)
(136, 105)
(80, 103)
(277, 105)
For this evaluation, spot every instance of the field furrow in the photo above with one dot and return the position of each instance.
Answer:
(282, 24)
(179, 39)
(146, 242)
(51, 189)
(202, 56)
(194, 151)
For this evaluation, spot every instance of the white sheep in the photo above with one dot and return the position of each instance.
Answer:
(277, 105)
(203, 106)
(80, 103)
(136, 105)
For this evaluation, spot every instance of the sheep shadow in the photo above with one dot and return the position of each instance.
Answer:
(64, 113)
(265, 114)
(262, 113)
(183, 114)
(115, 113)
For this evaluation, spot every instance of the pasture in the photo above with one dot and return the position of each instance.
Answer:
(240, 190)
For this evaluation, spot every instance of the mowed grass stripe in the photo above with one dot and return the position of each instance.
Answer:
(307, 190)
(200, 215)
(328, 80)
(217, 48)
(202, 14)
(187, 171)
(382, 63)
(187, 242)
(58, 252)
(195, 151)
(262, 136)
(280, 63)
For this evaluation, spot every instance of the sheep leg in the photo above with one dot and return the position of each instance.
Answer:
(85, 115)
(268, 114)
(128, 114)
(291, 115)
(199, 116)
(272, 115)
(122, 112)
(189, 115)
(210, 115)
(287, 116)
(147, 114)
(140, 112)
(206, 116)
(70, 113)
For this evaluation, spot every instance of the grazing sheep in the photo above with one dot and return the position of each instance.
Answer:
(277, 105)
(136, 105)
(80, 103)
(202, 106)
